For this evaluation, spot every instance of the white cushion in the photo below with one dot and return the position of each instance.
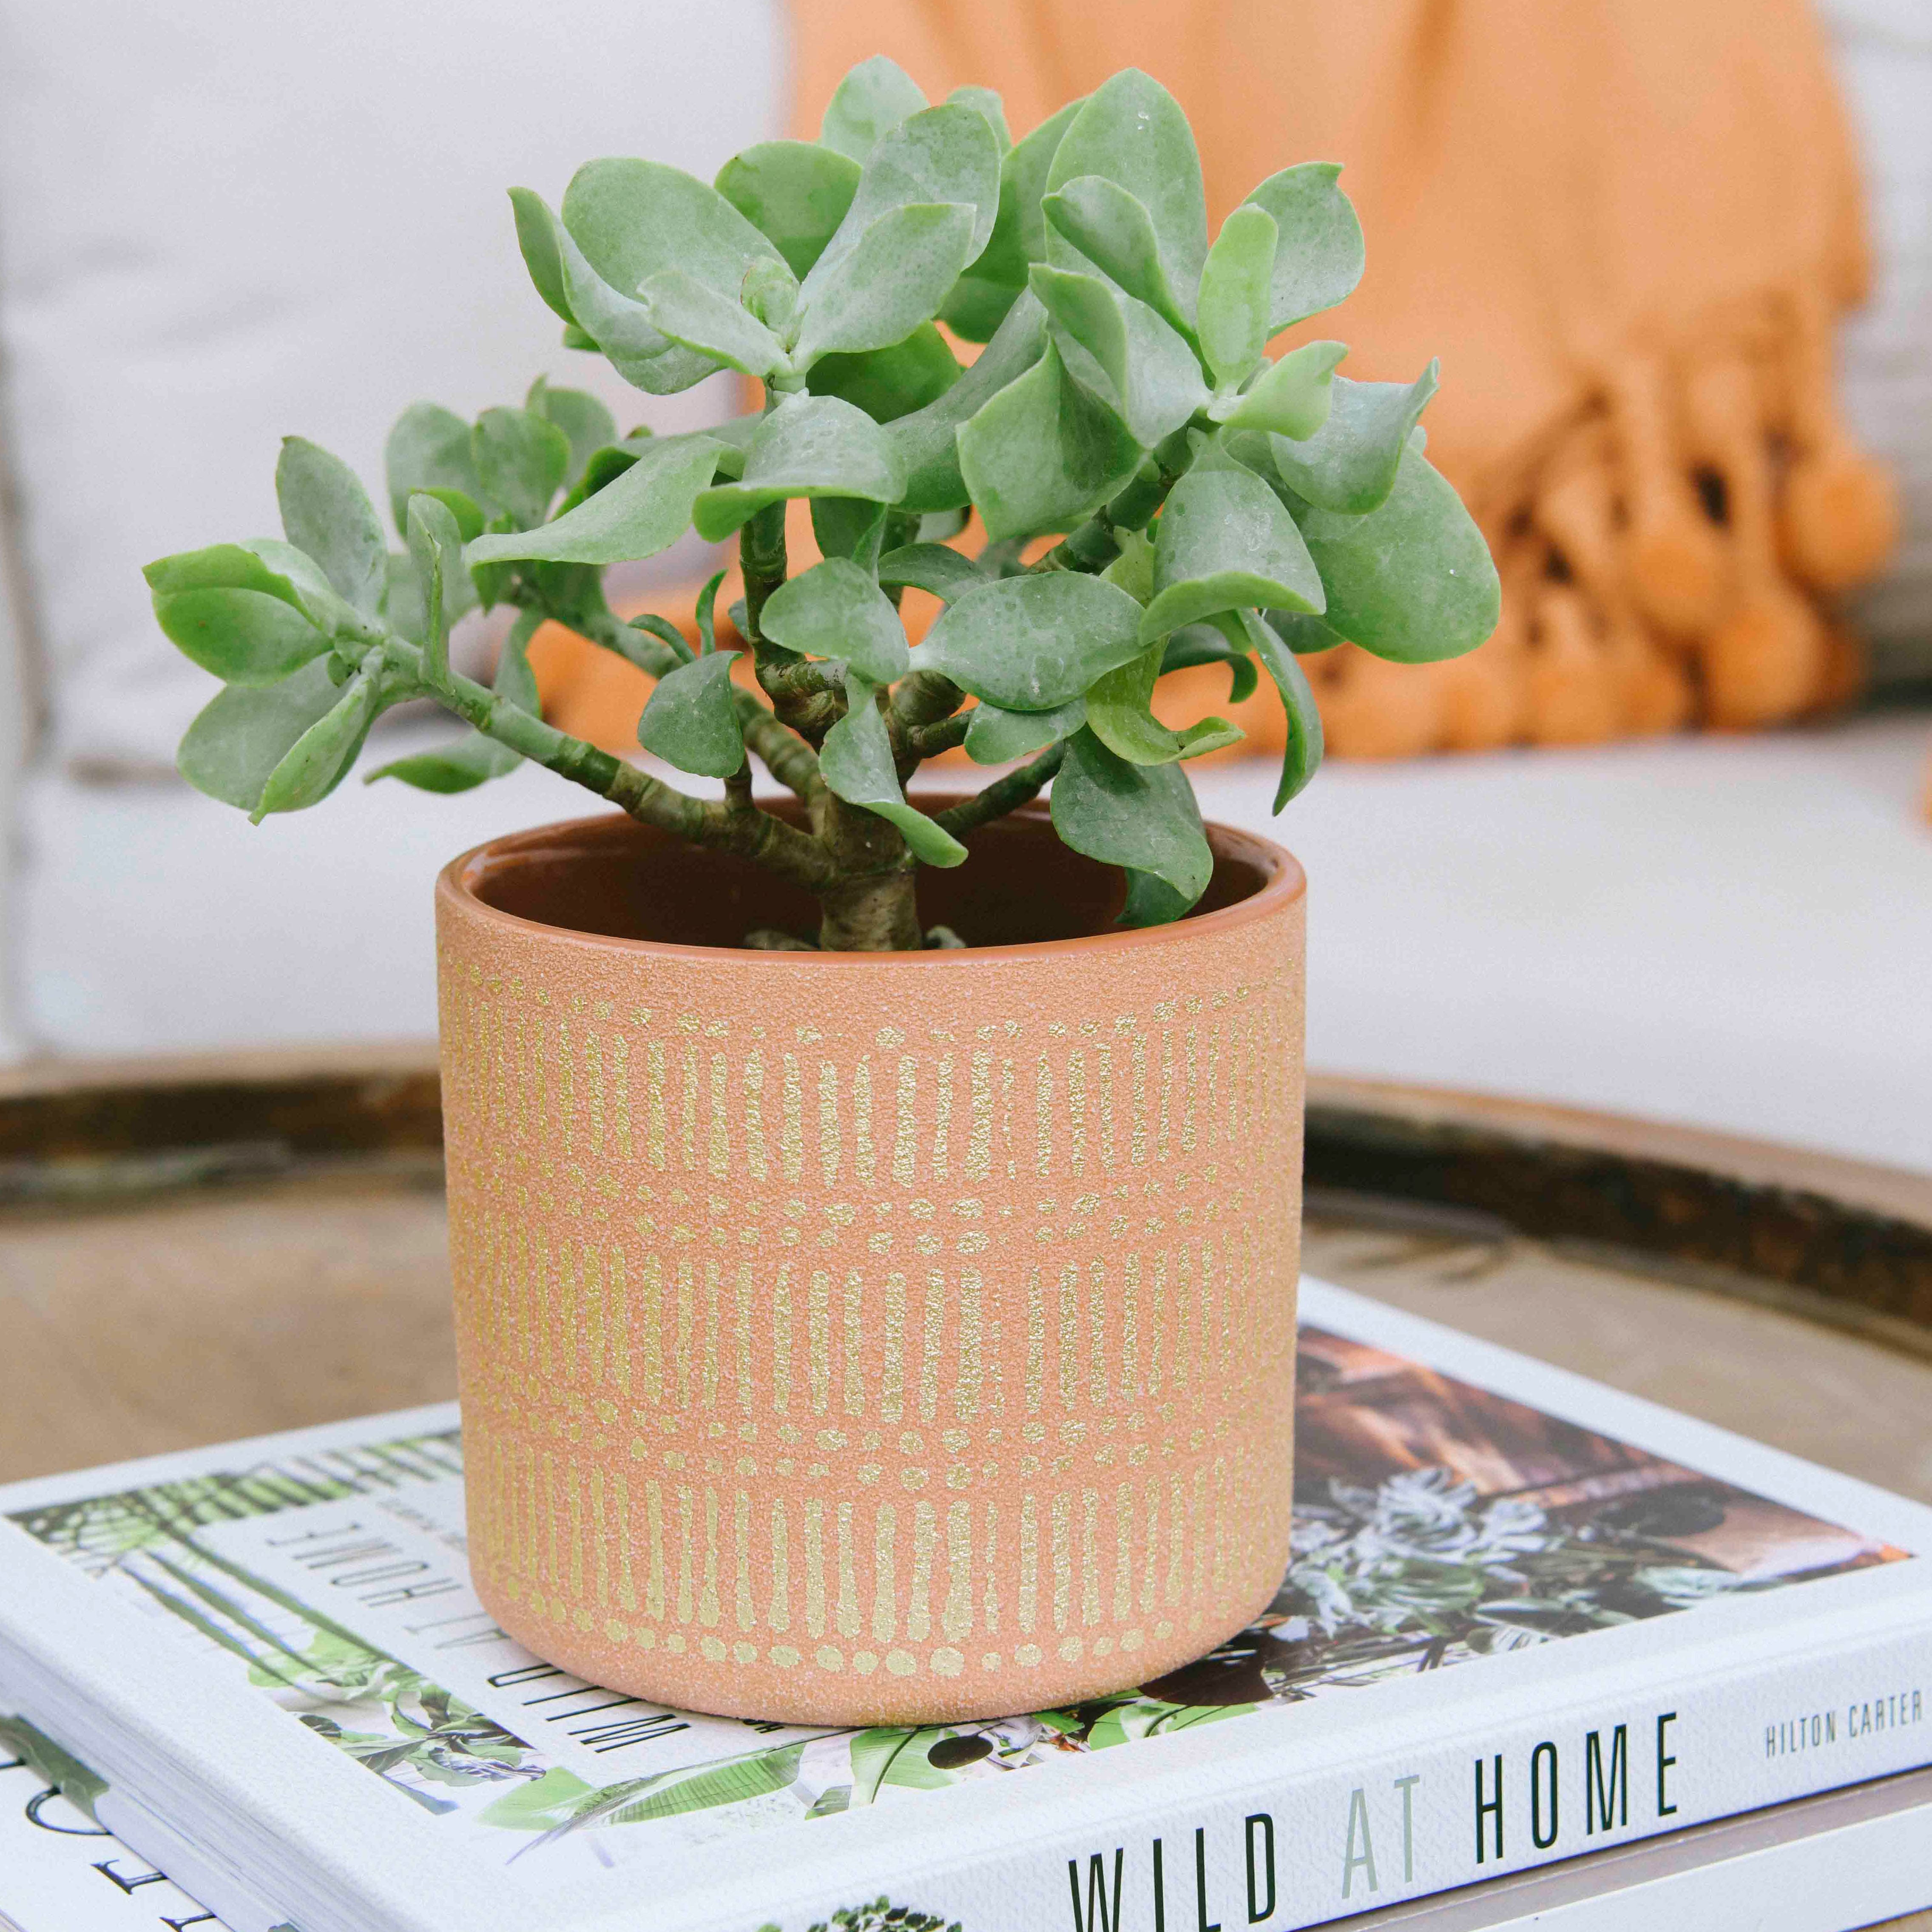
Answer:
(225, 222)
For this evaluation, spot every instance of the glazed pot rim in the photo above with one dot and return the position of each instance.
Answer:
(457, 885)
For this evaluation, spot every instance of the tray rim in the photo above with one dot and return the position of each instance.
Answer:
(1833, 1239)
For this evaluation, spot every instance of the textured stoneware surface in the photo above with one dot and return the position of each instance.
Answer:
(872, 1338)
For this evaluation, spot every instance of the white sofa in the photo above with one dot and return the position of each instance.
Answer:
(219, 222)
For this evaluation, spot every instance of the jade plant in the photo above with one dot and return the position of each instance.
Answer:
(1155, 492)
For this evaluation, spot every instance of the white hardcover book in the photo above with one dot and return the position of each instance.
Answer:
(1527, 1618)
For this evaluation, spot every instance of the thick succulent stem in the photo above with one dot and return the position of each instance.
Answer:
(752, 834)
(872, 906)
(782, 752)
(802, 695)
(1093, 545)
(923, 697)
(928, 741)
(879, 913)
(1090, 548)
(1004, 795)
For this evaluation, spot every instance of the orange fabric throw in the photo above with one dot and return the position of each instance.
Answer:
(1625, 225)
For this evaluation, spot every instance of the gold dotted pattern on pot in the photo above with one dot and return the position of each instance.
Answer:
(941, 1356)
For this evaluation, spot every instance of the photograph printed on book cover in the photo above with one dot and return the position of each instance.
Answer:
(1435, 1522)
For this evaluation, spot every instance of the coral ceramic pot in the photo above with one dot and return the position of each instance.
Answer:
(870, 1338)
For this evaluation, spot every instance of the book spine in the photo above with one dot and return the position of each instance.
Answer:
(230, 1904)
(1287, 1847)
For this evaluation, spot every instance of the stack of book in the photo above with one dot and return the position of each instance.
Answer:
(1543, 1652)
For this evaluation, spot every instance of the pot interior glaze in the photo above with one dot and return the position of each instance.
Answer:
(1019, 885)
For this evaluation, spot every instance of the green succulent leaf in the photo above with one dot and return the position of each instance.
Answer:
(1151, 901)
(1232, 319)
(244, 732)
(633, 219)
(472, 760)
(808, 446)
(1202, 644)
(691, 722)
(319, 760)
(616, 324)
(985, 101)
(1132, 570)
(737, 435)
(998, 737)
(1303, 753)
(1033, 643)
(668, 635)
(935, 567)
(835, 610)
(643, 512)
(243, 637)
(891, 383)
(716, 326)
(1349, 464)
(326, 514)
(436, 547)
(1304, 635)
(1044, 453)
(522, 460)
(1122, 351)
(219, 567)
(1142, 817)
(927, 441)
(1224, 540)
(536, 238)
(856, 762)
(625, 220)
(893, 278)
(1119, 714)
(1019, 237)
(992, 283)
(707, 614)
(468, 515)
(606, 464)
(587, 424)
(515, 680)
(769, 295)
(1413, 579)
(943, 154)
(849, 526)
(263, 564)
(430, 448)
(1292, 396)
(1319, 260)
(869, 103)
(976, 307)
(605, 467)
(1132, 131)
(1096, 222)
(794, 192)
